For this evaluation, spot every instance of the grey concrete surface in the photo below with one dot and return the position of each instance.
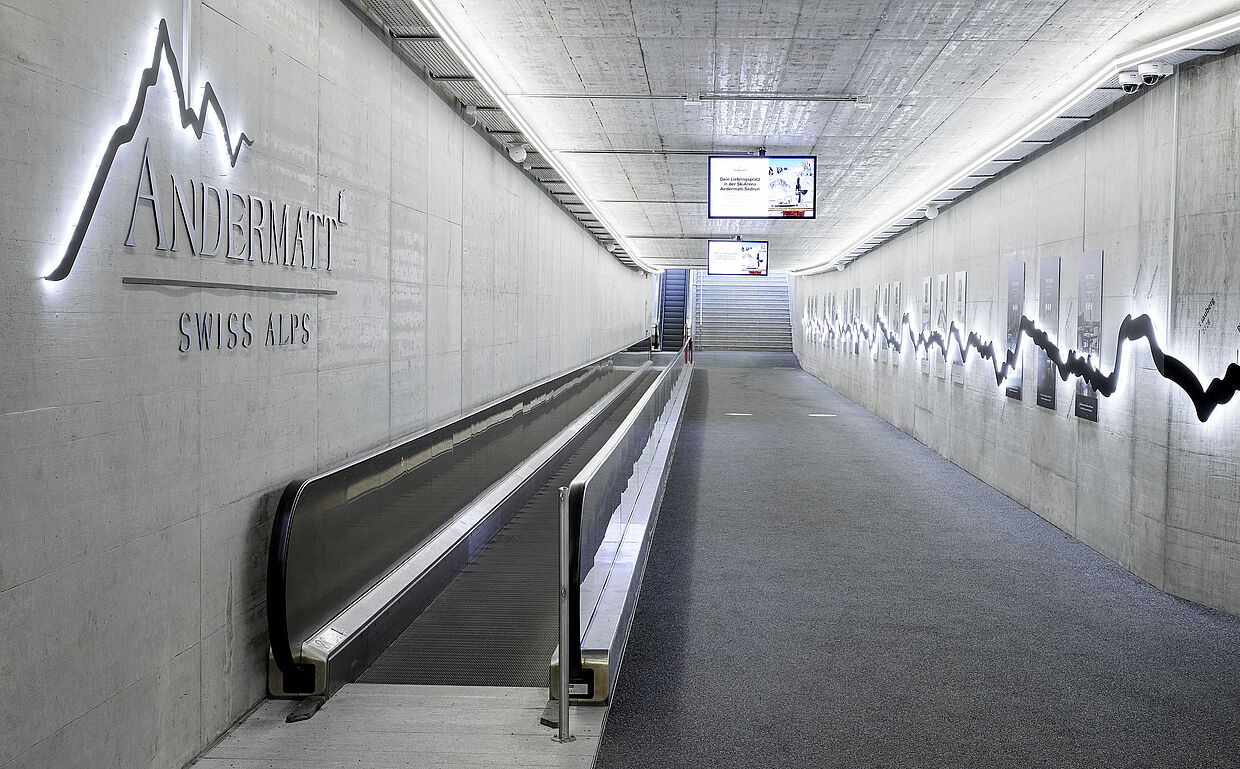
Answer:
(1148, 486)
(385, 726)
(826, 591)
(137, 482)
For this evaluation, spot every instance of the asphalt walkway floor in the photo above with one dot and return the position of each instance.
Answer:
(825, 591)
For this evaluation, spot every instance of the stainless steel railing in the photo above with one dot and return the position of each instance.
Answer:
(586, 506)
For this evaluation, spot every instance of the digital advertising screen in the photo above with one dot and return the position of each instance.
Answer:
(736, 257)
(762, 187)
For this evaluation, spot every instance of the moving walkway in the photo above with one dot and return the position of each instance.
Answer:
(435, 560)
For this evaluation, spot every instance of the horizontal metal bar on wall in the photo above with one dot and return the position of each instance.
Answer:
(174, 283)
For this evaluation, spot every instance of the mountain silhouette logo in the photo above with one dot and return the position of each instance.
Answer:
(124, 133)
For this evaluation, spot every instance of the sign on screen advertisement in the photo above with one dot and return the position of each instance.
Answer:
(761, 187)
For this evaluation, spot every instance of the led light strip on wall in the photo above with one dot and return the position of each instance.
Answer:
(1081, 105)
(1205, 399)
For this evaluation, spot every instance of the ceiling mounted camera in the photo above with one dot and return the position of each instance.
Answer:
(1130, 81)
(1153, 71)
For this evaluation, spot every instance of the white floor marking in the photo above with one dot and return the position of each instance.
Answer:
(822, 415)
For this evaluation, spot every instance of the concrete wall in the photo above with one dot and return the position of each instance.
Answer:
(1149, 486)
(137, 481)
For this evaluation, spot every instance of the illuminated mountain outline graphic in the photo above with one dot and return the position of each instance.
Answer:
(1205, 399)
(125, 132)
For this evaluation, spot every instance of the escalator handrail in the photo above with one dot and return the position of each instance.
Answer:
(298, 677)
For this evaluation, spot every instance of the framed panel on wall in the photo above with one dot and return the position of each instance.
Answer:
(897, 321)
(1048, 318)
(1014, 385)
(1089, 328)
(942, 324)
(959, 297)
(876, 343)
(923, 323)
(830, 319)
(856, 320)
(885, 311)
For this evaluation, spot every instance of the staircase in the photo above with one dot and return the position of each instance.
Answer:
(742, 313)
(672, 297)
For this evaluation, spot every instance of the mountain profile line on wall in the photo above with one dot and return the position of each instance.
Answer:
(124, 133)
(1205, 399)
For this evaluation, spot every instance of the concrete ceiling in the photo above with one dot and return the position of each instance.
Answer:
(603, 85)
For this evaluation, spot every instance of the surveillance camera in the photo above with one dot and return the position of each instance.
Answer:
(1153, 71)
(1130, 81)
(932, 211)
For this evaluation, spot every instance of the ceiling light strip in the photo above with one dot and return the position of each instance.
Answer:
(1060, 111)
(813, 97)
(430, 11)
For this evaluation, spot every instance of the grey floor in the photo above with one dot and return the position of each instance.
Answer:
(825, 591)
(386, 726)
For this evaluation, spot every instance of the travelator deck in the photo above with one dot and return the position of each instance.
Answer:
(495, 624)
(435, 560)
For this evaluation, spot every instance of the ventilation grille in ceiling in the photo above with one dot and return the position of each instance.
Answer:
(434, 57)
(401, 18)
(422, 46)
